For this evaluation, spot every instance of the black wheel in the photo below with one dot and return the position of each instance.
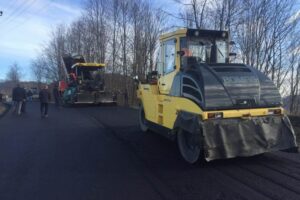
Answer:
(189, 145)
(142, 120)
(65, 104)
(291, 150)
(258, 155)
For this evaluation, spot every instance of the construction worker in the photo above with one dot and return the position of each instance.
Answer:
(126, 97)
(44, 97)
(29, 95)
(18, 97)
(56, 95)
(23, 108)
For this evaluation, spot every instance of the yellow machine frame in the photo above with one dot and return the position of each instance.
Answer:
(99, 65)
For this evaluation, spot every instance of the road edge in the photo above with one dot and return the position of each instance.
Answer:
(7, 108)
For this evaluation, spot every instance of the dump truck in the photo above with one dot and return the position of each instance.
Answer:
(214, 109)
(84, 83)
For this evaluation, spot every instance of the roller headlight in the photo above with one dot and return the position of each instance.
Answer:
(275, 111)
(216, 115)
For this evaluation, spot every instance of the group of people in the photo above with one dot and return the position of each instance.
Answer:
(19, 97)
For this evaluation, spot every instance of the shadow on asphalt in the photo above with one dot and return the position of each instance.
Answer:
(83, 105)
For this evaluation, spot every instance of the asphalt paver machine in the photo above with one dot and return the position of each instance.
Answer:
(84, 82)
(214, 109)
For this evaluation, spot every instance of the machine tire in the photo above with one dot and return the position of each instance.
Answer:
(142, 120)
(291, 150)
(65, 103)
(190, 152)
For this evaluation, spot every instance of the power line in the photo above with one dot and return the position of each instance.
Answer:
(19, 11)
(12, 5)
(12, 2)
(27, 19)
(7, 7)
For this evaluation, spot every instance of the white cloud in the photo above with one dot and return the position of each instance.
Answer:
(295, 17)
(28, 25)
(67, 9)
(296, 51)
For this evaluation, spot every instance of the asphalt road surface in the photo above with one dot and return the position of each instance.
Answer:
(100, 153)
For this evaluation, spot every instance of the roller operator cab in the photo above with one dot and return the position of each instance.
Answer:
(214, 109)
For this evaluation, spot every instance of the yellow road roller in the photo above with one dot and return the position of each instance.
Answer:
(214, 109)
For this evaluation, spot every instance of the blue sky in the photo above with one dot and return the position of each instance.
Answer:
(26, 24)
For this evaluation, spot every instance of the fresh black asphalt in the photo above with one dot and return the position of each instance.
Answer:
(99, 153)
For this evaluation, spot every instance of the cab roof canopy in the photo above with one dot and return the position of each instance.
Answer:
(195, 33)
(87, 65)
(74, 61)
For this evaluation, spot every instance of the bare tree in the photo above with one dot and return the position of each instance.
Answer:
(115, 13)
(122, 33)
(14, 74)
(194, 13)
(37, 69)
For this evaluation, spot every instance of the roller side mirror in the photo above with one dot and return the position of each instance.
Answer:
(232, 54)
(181, 53)
(136, 79)
(152, 77)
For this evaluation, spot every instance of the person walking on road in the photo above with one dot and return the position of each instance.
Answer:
(44, 97)
(29, 95)
(18, 97)
(23, 108)
(126, 98)
(56, 96)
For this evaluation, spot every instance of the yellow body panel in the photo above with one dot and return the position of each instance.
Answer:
(162, 109)
(165, 82)
(99, 65)
(241, 113)
(177, 33)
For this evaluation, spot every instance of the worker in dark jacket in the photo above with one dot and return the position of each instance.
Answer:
(44, 97)
(29, 95)
(23, 109)
(56, 95)
(18, 97)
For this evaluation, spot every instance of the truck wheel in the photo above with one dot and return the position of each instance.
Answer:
(142, 120)
(188, 145)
